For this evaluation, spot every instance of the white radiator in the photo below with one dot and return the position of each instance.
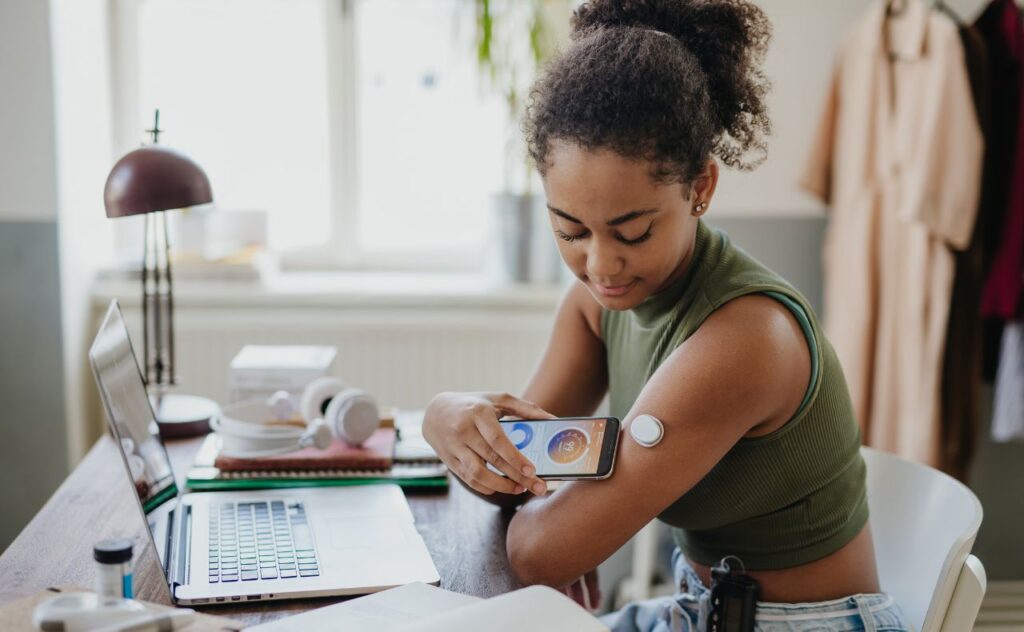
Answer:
(402, 357)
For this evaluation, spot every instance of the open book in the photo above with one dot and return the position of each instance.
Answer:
(423, 608)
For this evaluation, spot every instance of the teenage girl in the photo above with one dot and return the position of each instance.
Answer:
(760, 457)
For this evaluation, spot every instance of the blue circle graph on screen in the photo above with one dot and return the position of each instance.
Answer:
(521, 435)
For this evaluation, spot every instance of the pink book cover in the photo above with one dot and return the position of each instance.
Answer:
(374, 454)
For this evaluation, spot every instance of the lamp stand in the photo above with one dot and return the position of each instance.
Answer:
(177, 415)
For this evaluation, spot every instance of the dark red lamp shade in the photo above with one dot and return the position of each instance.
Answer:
(155, 178)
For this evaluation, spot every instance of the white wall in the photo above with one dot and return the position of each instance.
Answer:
(84, 138)
(799, 62)
(27, 153)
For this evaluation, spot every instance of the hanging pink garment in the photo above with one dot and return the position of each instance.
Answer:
(897, 158)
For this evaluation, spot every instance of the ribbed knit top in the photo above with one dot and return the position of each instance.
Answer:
(774, 501)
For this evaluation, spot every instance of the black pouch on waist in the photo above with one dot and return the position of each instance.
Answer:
(734, 598)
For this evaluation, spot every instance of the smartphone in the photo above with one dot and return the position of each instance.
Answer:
(567, 448)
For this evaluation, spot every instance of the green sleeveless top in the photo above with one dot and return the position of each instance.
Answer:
(778, 500)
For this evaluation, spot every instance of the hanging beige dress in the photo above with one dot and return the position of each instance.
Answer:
(897, 158)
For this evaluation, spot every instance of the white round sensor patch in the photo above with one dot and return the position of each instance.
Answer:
(646, 430)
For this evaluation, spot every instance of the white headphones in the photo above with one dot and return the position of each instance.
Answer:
(256, 428)
(350, 413)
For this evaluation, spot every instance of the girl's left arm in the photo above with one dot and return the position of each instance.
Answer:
(745, 366)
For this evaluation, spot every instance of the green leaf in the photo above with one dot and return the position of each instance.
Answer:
(485, 33)
(537, 34)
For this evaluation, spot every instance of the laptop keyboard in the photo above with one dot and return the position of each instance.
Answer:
(260, 540)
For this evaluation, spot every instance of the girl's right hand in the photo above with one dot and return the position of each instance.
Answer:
(463, 429)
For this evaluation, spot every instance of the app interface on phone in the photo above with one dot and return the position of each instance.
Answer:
(559, 446)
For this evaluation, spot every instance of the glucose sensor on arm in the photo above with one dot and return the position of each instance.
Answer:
(647, 430)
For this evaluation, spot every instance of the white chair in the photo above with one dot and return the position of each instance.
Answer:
(923, 523)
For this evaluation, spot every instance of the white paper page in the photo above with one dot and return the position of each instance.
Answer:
(536, 608)
(413, 446)
(380, 612)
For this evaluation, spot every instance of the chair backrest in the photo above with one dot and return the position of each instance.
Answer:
(923, 523)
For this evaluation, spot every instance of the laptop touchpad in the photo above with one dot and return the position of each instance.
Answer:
(348, 531)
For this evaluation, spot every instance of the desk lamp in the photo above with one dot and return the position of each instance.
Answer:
(149, 181)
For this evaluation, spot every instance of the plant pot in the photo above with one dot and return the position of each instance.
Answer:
(526, 246)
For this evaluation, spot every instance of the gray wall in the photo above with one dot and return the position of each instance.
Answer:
(33, 435)
(33, 449)
(997, 477)
(791, 246)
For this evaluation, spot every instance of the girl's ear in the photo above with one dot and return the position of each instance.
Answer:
(703, 186)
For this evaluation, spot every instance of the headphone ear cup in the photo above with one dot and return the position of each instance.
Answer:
(281, 405)
(311, 405)
(317, 435)
(353, 416)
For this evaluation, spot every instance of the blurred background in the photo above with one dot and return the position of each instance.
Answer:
(371, 192)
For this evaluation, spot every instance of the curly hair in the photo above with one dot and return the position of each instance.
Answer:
(668, 81)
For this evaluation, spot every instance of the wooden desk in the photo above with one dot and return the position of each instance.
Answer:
(465, 536)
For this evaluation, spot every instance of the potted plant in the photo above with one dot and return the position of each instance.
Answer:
(513, 40)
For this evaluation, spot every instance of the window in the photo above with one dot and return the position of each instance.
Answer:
(359, 125)
(428, 157)
(241, 89)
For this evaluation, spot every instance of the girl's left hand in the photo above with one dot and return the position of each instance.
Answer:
(585, 591)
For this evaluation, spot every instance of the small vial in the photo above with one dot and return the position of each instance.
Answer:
(113, 569)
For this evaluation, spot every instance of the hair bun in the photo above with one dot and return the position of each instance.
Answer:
(729, 38)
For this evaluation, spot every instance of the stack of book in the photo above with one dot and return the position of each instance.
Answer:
(392, 455)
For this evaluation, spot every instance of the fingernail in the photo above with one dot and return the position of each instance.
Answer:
(539, 488)
(520, 489)
(528, 470)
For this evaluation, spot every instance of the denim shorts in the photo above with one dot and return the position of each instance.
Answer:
(687, 611)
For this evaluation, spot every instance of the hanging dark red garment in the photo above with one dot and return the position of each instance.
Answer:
(1004, 286)
(1000, 27)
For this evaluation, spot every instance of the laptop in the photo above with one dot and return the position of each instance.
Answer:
(230, 546)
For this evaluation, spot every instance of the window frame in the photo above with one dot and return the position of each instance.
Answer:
(342, 250)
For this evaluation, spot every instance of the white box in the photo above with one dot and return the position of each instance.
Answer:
(261, 370)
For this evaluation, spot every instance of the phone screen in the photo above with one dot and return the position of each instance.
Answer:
(559, 447)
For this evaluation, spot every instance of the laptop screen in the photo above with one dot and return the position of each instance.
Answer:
(130, 414)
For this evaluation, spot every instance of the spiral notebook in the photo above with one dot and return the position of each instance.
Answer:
(204, 475)
(374, 454)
